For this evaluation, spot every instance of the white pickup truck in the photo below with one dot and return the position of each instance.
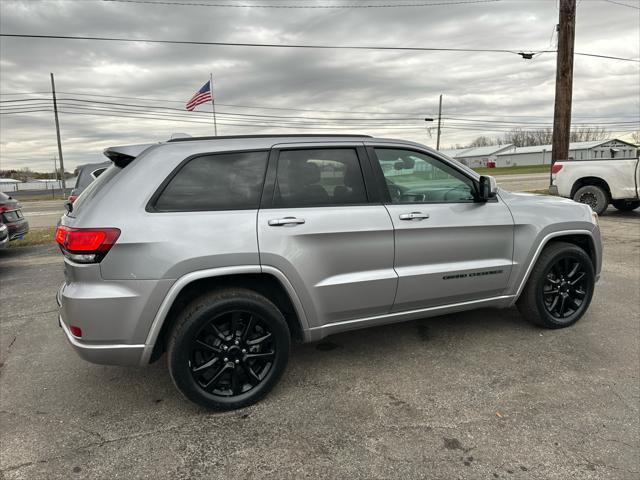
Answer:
(598, 182)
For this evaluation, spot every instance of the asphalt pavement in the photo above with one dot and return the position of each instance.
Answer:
(43, 213)
(475, 395)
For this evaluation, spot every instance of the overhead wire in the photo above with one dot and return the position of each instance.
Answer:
(520, 52)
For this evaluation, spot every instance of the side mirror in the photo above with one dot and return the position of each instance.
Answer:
(488, 188)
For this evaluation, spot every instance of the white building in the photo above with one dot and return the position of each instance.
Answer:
(541, 154)
(478, 156)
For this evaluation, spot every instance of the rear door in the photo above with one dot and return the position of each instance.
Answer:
(449, 248)
(330, 236)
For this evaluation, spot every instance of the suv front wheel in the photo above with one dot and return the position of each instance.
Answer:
(560, 287)
(228, 349)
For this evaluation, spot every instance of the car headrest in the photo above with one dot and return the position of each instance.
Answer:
(310, 173)
(352, 177)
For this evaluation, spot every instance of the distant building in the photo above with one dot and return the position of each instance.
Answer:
(475, 157)
(541, 154)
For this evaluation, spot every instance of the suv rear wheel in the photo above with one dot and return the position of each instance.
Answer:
(560, 287)
(228, 349)
(593, 196)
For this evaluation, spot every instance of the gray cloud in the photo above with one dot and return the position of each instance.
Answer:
(475, 84)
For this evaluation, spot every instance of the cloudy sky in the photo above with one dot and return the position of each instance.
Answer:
(383, 93)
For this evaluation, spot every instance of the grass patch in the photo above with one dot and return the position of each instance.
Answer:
(522, 169)
(36, 236)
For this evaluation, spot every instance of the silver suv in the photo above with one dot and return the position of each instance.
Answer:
(221, 251)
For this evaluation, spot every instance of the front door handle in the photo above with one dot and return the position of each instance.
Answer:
(414, 216)
(280, 222)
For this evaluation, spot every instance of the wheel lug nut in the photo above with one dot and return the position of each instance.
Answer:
(224, 347)
(237, 361)
(237, 342)
(225, 359)
(244, 350)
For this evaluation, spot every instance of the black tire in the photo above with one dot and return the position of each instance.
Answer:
(228, 349)
(540, 304)
(626, 205)
(596, 197)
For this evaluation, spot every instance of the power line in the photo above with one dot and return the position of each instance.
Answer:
(17, 105)
(302, 6)
(310, 46)
(471, 125)
(30, 103)
(622, 4)
(262, 107)
(261, 45)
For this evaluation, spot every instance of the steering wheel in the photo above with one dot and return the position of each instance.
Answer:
(395, 192)
(455, 193)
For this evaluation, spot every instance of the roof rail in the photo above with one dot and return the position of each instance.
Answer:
(279, 135)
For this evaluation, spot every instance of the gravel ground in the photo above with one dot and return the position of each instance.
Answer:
(474, 395)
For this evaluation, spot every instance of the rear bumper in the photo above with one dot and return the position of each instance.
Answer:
(100, 352)
(18, 229)
(553, 190)
(104, 354)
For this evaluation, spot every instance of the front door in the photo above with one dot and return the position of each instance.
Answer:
(449, 248)
(318, 227)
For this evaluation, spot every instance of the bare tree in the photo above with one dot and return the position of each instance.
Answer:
(483, 141)
(588, 134)
(635, 136)
(543, 136)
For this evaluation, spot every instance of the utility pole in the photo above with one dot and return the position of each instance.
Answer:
(564, 82)
(439, 123)
(55, 113)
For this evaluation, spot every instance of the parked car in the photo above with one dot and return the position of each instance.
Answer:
(221, 251)
(599, 183)
(85, 174)
(11, 216)
(4, 236)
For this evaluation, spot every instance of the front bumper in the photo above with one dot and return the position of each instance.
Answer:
(101, 353)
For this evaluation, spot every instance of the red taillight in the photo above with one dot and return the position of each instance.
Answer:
(4, 209)
(72, 198)
(75, 331)
(556, 167)
(88, 244)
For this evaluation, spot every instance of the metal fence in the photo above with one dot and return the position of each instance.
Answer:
(37, 185)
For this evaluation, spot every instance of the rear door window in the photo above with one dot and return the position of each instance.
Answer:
(226, 181)
(318, 177)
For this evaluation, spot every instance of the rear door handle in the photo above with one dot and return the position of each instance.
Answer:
(280, 222)
(414, 216)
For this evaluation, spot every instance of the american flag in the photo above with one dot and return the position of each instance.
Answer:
(201, 96)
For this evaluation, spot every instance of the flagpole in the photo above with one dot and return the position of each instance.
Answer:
(213, 104)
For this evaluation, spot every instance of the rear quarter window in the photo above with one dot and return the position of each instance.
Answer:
(226, 181)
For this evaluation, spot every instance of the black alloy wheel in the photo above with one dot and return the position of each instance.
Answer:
(560, 286)
(232, 353)
(565, 287)
(228, 348)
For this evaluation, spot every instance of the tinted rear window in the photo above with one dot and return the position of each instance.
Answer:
(227, 181)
